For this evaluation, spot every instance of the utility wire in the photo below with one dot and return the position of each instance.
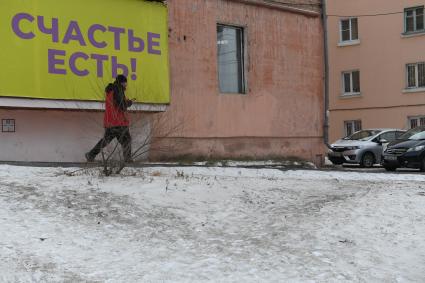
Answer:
(366, 15)
(318, 4)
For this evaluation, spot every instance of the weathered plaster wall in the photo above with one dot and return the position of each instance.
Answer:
(284, 102)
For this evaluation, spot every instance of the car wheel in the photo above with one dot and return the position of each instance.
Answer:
(337, 162)
(368, 160)
(390, 168)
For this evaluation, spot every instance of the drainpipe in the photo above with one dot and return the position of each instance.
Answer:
(326, 80)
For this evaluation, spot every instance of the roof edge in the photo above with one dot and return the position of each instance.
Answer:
(279, 6)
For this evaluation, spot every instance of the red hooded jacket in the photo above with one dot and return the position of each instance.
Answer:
(115, 116)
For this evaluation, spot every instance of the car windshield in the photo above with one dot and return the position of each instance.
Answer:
(414, 134)
(362, 135)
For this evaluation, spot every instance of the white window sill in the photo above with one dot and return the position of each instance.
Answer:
(348, 43)
(350, 95)
(68, 104)
(413, 90)
(413, 34)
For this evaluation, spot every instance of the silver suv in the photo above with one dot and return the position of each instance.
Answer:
(363, 147)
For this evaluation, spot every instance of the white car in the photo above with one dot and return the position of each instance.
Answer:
(364, 147)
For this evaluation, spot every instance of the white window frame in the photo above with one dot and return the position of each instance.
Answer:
(418, 120)
(351, 40)
(353, 125)
(351, 93)
(416, 76)
(414, 20)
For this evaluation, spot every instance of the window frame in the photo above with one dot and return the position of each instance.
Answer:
(3, 126)
(416, 68)
(352, 92)
(353, 125)
(350, 23)
(414, 9)
(418, 120)
(244, 58)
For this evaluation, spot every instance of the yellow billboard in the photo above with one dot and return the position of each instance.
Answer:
(71, 49)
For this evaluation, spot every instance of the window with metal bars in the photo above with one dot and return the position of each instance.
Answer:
(416, 121)
(8, 125)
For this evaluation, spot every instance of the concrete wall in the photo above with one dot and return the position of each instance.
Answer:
(57, 136)
(381, 56)
(49, 135)
(282, 112)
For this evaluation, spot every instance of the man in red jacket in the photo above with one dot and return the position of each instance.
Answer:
(115, 120)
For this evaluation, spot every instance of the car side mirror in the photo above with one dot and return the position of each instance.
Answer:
(382, 141)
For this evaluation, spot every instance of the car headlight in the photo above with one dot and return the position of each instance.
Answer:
(417, 148)
(353, 147)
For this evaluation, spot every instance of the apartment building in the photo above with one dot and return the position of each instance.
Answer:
(376, 65)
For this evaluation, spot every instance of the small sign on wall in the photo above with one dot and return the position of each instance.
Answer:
(8, 125)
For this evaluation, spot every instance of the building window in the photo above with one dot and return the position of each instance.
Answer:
(230, 48)
(351, 83)
(416, 75)
(416, 121)
(351, 127)
(8, 125)
(414, 19)
(349, 30)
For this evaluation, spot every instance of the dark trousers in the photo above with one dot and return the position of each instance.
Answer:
(122, 134)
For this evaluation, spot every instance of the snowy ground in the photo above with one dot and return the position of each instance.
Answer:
(211, 224)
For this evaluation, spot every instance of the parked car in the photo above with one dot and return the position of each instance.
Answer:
(363, 147)
(408, 151)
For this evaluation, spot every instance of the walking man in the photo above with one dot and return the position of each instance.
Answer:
(115, 120)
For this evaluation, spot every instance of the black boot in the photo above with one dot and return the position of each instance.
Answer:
(89, 157)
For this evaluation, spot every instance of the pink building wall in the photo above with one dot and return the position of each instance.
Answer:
(381, 56)
(282, 112)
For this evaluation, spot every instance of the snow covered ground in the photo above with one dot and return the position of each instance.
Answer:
(210, 224)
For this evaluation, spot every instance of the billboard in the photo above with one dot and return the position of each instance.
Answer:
(70, 50)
